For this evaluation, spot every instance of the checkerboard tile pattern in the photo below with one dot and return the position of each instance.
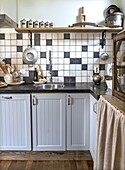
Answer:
(74, 55)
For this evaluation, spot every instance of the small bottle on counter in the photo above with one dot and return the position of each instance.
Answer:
(35, 75)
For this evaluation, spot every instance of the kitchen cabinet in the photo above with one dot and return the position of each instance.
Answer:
(77, 121)
(119, 66)
(48, 121)
(15, 122)
(93, 117)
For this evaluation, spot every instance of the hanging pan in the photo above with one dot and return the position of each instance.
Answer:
(30, 54)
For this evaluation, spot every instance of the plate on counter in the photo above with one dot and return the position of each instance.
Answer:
(40, 82)
(16, 83)
(3, 84)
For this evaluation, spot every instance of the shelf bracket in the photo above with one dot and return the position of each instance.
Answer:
(30, 37)
(102, 43)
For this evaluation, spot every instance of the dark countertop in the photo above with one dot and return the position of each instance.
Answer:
(95, 90)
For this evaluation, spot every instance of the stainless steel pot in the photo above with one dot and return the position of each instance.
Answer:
(114, 20)
(30, 55)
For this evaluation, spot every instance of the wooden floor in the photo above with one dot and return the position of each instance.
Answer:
(46, 165)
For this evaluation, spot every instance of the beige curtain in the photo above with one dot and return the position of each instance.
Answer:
(110, 138)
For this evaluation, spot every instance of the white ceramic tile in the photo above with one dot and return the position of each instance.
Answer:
(78, 36)
(49, 36)
(7, 42)
(90, 35)
(43, 42)
(72, 36)
(61, 61)
(55, 36)
(25, 42)
(66, 42)
(55, 42)
(13, 42)
(84, 42)
(84, 79)
(90, 67)
(60, 42)
(14, 61)
(60, 73)
(90, 48)
(78, 66)
(96, 48)
(96, 60)
(72, 73)
(61, 67)
(19, 42)
(78, 79)
(49, 48)
(43, 36)
(78, 73)
(78, 54)
(55, 67)
(66, 73)
(72, 48)
(90, 60)
(73, 42)
(96, 36)
(2, 48)
(84, 54)
(109, 48)
(7, 48)
(7, 36)
(66, 67)
(13, 36)
(84, 60)
(72, 67)
(78, 48)
(84, 36)
(66, 48)
(43, 60)
(2, 42)
(90, 42)
(42, 48)
(61, 48)
(78, 42)
(90, 54)
(25, 36)
(84, 73)
(55, 48)
(61, 36)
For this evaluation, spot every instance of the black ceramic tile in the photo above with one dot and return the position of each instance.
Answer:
(84, 67)
(19, 49)
(42, 54)
(19, 36)
(75, 60)
(66, 36)
(101, 66)
(66, 54)
(69, 80)
(2, 36)
(37, 39)
(49, 42)
(55, 73)
(7, 60)
(47, 67)
(84, 48)
(96, 54)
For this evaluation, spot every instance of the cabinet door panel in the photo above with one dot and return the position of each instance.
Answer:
(48, 122)
(78, 122)
(15, 127)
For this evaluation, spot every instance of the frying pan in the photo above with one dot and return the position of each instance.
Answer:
(30, 55)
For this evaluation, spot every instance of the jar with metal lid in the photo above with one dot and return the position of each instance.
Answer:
(30, 24)
(47, 24)
(51, 24)
(41, 24)
(36, 24)
(23, 23)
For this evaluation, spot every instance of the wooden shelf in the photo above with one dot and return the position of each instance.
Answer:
(69, 29)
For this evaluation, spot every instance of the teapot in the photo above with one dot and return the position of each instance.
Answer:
(97, 78)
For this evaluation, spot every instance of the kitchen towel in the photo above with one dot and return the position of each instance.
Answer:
(110, 138)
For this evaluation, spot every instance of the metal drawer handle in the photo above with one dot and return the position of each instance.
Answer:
(69, 100)
(9, 97)
(95, 107)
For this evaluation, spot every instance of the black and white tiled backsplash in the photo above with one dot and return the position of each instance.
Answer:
(74, 55)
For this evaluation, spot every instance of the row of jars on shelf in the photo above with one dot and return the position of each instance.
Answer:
(35, 24)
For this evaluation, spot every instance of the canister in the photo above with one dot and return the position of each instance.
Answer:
(30, 23)
(23, 23)
(36, 24)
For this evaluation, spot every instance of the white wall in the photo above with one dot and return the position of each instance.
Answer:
(60, 12)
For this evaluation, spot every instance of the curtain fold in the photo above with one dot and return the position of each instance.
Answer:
(110, 138)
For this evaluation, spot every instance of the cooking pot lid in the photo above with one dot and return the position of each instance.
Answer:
(30, 55)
